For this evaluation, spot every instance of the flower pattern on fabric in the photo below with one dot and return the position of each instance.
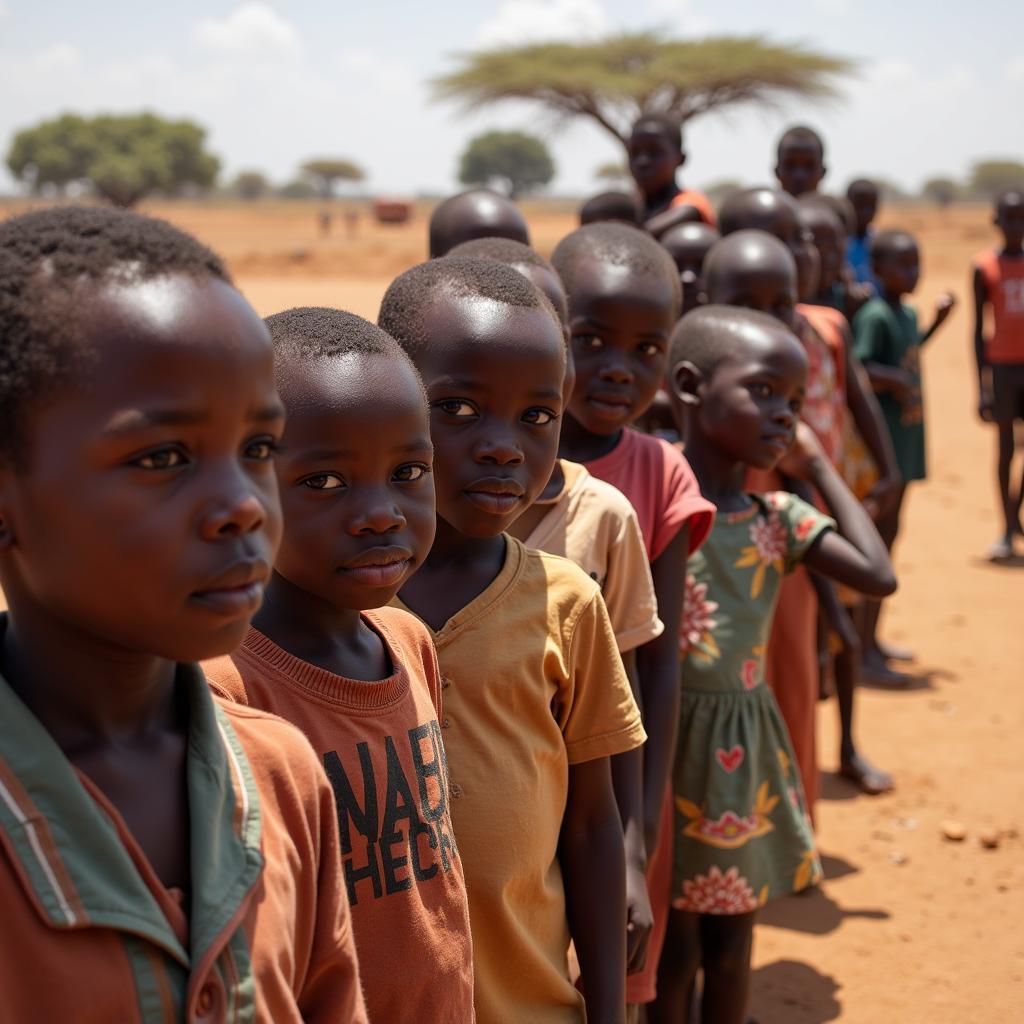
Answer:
(696, 635)
(768, 545)
(729, 830)
(717, 893)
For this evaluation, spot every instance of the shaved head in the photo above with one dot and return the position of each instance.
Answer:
(477, 213)
(745, 258)
(763, 209)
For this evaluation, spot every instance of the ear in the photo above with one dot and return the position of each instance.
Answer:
(686, 383)
(682, 158)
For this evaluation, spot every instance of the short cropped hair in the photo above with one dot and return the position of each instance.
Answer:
(708, 335)
(503, 250)
(886, 243)
(620, 245)
(43, 256)
(800, 133)
(622, 206)
(861, 186)
(733, 213)
(411, 295)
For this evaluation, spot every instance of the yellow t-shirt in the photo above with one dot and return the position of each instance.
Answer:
(532, 682)
(593, 524)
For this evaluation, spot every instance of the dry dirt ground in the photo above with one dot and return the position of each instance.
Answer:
(908, 926)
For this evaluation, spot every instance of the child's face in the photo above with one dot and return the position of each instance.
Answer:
(800, 168)
(653, 159)
(865, 206)
(898, 272)
(808, 267)
(768, 289)
(620, 322)
(688, 249)
(493, 374)
(1010, 220)
(355, 478)
(750, 405)
(830, 241)
(147, 517)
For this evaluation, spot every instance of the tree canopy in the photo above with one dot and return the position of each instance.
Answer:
(991, 177)
(250, 185)
(940, 191)
(615, 80)
(522, 161)
(123, 158)
(326, 172)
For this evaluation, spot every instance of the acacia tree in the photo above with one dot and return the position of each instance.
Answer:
(326, 172)
(520, 160)
(991, 177)
(613, 81)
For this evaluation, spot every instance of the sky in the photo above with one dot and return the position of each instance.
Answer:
(276, 82)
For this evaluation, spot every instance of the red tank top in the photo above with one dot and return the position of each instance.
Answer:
(1004, 282)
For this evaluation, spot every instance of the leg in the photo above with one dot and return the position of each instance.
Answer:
(851, 764)
(727, 940)
(874, 664)
(1003, 548)
(677, 970)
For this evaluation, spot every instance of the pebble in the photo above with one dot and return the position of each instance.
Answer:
(990, 840)
(954, 831)
(898, 858)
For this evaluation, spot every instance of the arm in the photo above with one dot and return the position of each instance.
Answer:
(658, 667)
(590, 851)
(980, 356)
(944, 306)
(855, 555)
(628, 782)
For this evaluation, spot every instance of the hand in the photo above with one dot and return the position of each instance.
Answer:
(986, 405)
(879, 499)
(639, 919)
(943, 307)
(803, 455)
(902, 385)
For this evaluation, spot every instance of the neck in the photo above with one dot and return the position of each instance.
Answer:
(452, 549)
(894, 298)
(660, 198)
(305, 625)
(720, 476)
(83, 690)
(577, 444)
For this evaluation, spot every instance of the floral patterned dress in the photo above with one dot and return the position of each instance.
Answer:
(742, 831)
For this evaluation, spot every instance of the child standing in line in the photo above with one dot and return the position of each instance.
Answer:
(616, 206)
(536, 699)
(475, 213)
(359, 679)
(743, 836)
(863, 196)
(168, 856)
(688, 245)
(888, 343)
(999, 283)
(624, 298)
(655, 155)
(800, 160)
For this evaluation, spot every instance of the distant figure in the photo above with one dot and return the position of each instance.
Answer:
(688, 244)
(351, 216)
(324, 219)
(476, 213)
(655, 155)
(863, 195)
(800, 160)
(614, 206)
(999, 282)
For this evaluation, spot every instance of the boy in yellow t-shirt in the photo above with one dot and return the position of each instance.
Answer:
(536, 699)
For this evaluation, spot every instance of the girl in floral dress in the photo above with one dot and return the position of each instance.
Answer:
(741, 827)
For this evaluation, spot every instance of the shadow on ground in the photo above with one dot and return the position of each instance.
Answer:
(791, 992)
(815, 912)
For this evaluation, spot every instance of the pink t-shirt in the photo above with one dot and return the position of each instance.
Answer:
(661, 487)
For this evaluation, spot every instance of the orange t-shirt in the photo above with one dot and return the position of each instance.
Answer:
(699, 201)
(1004, 282)
(380, 743)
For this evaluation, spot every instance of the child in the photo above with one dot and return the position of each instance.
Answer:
(167, 856)
(743, 836)
(655, 155)
(688, 245)
(362, 684)
(889, 345)
(536, 700)
(624, 297)
(620, 206)
(863, 196)
(476, 213)
(999, 282)
(800, 160)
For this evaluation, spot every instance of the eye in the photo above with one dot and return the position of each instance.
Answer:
(648, 349)
(588, 341)
(323, 482)
(538, 417)
(761, 390)
(410, 473)
(161, 458)
(262, 449)
(456, 407)
(796, 404)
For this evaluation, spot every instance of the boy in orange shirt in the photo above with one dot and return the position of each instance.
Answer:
(999, 283)
(164, 856)
(363, 685)
(538, 700)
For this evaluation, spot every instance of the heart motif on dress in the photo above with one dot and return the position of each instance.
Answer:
(730, 760)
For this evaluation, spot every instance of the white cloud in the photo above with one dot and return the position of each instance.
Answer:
(251, 29)
(535, 21)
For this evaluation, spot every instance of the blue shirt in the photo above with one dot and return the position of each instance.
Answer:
(858, 255)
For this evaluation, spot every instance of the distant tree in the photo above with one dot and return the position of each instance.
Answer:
(300, 188)
(613, 80)
(327, 172)
(249, 185)
(940, 191)
(612, 171)
(990, 177)
(521, 161)
(123, 158)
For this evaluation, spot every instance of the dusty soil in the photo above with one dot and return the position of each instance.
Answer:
(909, 926)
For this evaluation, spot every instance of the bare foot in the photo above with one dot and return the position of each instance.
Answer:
(872, 781)
(874, 670)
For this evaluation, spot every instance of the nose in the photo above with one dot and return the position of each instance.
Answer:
(239, 507)
(499, 448)
(784, 416)
(614, 370)
(377, 515)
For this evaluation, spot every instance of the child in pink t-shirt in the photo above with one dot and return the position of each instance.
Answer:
(624, 299)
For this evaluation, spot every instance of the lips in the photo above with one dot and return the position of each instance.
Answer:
(780, 442)
(379, 566)
(610, 404)
(496, 495)
(237, 591)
